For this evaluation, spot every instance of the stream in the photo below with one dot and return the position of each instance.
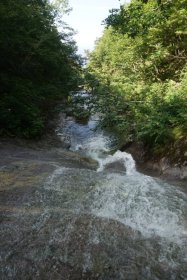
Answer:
(109, 223)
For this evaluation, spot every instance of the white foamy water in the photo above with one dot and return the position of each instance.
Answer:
(145, 204)
(142, 203)
(112, 223)
(53, 181)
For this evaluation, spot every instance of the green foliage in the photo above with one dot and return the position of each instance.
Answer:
(39, 65)
(140, 67)
(164, 116)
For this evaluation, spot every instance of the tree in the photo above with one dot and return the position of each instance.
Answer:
(140, 63)
(39, 65)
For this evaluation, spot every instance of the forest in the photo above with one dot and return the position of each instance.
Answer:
(138, 73)
(93, 150)
(39, 64)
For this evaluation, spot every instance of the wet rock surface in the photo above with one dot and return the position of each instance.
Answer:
(115, 167)
(62, 245)
(48, 229)
(60, 219)
(161, 166)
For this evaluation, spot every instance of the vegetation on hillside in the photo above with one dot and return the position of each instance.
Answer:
(138, 72)
(39, 64)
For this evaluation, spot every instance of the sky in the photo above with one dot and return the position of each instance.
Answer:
(86, 19)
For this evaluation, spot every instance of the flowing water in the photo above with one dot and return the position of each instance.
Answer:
(110, 223)
(151, 208)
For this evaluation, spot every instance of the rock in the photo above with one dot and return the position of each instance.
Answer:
(126, 146)
(184, 172)
(116, 166)
(164, 164)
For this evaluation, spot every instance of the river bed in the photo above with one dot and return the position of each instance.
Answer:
(88, 213)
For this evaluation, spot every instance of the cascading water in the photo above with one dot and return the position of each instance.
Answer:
(110, 223)
(142, 202)
(149, 206)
